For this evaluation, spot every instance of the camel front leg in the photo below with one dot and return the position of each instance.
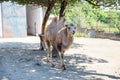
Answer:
(62, 60)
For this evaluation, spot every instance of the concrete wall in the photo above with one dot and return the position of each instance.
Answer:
(90, 32)
(0, 22)
(18, 21)
(14, 20)
(34, 19)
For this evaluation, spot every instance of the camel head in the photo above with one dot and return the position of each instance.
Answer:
(72, 28)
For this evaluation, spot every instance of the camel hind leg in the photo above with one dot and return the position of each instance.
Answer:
(49, 54)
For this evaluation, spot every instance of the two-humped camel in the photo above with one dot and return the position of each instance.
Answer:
(60, 36)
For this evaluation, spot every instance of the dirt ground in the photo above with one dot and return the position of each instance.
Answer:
(87, 59)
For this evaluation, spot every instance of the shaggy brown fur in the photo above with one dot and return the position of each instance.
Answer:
(58, 35)
(64, 40)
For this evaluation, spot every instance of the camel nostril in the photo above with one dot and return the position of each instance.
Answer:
(73, 32)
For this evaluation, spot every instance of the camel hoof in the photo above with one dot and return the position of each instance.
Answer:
(53, 65)
(63, 67)
(54, 56)
(41, 48)
(46, 60)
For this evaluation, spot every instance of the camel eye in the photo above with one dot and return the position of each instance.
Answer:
(68, 27)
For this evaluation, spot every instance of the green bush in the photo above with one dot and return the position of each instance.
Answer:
(85, 16)
(78, 34)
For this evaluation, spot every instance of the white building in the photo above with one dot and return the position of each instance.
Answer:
(20, 21)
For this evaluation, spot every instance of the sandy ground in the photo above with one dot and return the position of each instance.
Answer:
(87, 59)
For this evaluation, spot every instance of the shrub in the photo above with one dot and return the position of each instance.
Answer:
(78, 34)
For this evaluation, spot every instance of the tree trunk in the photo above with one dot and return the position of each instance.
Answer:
(61, 14)
(62, 8)
(47, 14)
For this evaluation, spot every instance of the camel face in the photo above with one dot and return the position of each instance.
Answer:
(72, 28)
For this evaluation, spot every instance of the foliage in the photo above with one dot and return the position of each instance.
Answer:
(95, 3)
(105, 3)
(84, 15)
(78, 34)
(37, 2)
(118, 25)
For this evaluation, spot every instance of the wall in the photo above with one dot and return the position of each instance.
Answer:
(0, 22)
(14, 20)
(34, 19)
(90, 32)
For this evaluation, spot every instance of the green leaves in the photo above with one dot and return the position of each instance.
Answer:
(105, 3)
(96, 3)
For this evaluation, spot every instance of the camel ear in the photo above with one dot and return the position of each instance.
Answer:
(66, 26)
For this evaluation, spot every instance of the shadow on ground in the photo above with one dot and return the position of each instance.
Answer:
(76, 45)
(24, 61)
